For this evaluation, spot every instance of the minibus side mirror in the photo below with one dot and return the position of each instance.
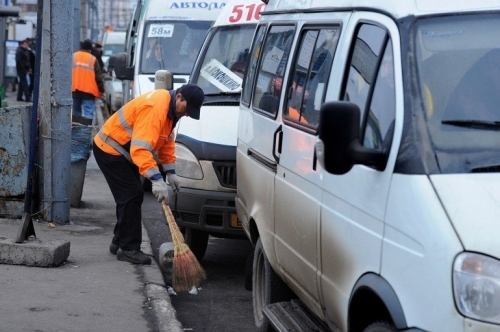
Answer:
(339, 132)
(118, 63)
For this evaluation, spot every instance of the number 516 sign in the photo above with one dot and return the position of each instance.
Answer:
(245, 13)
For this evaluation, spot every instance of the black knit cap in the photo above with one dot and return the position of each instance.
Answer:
(87, 45)
(194, 97)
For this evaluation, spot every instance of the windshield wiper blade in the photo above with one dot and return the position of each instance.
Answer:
(224, 93)
(477, 124)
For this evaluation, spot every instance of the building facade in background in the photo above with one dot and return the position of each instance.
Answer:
(96, 16)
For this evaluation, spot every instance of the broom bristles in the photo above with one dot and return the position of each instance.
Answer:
(187, 271)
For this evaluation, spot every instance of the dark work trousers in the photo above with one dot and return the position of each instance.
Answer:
(23, 88)
(125, 183)
(31, 86)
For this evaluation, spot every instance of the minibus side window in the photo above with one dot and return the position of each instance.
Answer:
(252, 66)
(370, 85)
(379, 121)
(309, 76)
(273, 60)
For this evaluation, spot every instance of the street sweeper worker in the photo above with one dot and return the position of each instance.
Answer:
(123, 149)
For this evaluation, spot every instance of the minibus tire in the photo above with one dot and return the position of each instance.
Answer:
(197, 242)
(248, 271)
(267, 288)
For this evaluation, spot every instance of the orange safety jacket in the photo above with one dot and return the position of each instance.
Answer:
(140, 128)
(293, 113)
(84, 74)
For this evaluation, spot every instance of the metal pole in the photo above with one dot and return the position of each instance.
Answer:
(28, 202)
(45, 157)
(61, 51)
(92, 19)
(89, 20)
(3, 54)
(76, 25)
(111, 6)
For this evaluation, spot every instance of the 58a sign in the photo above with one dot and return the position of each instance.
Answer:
(246, 13)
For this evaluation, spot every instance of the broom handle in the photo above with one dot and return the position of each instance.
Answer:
(177, 236)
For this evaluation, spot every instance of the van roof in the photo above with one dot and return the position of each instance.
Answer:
(183, 10)
(397, 8)
(240, 12)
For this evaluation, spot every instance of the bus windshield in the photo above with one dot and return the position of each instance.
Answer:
(172, 45)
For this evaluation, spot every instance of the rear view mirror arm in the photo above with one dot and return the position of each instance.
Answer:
(358, 154)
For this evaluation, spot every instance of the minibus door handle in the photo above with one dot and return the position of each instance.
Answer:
(278, 135)
(315, 160)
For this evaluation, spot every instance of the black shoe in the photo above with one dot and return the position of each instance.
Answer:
(113, 248)
(133, 256)
(20, 99)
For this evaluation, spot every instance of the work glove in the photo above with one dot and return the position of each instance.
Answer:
(160, 190)
(173, 181)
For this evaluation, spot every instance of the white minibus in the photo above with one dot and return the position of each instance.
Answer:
(206, 148)
(368, 165)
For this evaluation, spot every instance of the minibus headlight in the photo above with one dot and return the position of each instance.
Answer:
(476, 287)
(186, 164)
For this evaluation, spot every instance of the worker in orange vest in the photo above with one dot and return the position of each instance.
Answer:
(87, 83)
(123, 149)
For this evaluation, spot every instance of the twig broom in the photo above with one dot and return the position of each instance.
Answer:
(187, 271)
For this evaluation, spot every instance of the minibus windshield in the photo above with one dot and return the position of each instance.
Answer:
(173, 46)
(458, 68)
(225, 60)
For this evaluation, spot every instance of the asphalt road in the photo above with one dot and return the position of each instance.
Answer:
(222, 304)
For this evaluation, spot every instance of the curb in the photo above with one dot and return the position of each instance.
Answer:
(158, 298)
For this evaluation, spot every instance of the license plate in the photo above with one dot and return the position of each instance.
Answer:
(235, 222)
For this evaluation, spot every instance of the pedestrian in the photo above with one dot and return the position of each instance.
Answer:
(97, 52)
(23, 70)
(87, 83)
(123, 149)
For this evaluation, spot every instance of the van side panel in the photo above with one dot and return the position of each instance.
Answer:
(420, 242)
(256, 171)
(297, 201)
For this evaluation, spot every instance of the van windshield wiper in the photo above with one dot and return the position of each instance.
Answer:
(476, 124)
(224, 93)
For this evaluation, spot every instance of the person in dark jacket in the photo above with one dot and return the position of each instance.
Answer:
(97, 52)
(23, 69)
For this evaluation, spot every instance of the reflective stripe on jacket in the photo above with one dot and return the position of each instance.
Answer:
(140, 128)
(84, 73)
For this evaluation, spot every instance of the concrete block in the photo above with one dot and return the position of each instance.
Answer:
(34, 252)
(11, 208)
(166, 260)
(14, 150)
